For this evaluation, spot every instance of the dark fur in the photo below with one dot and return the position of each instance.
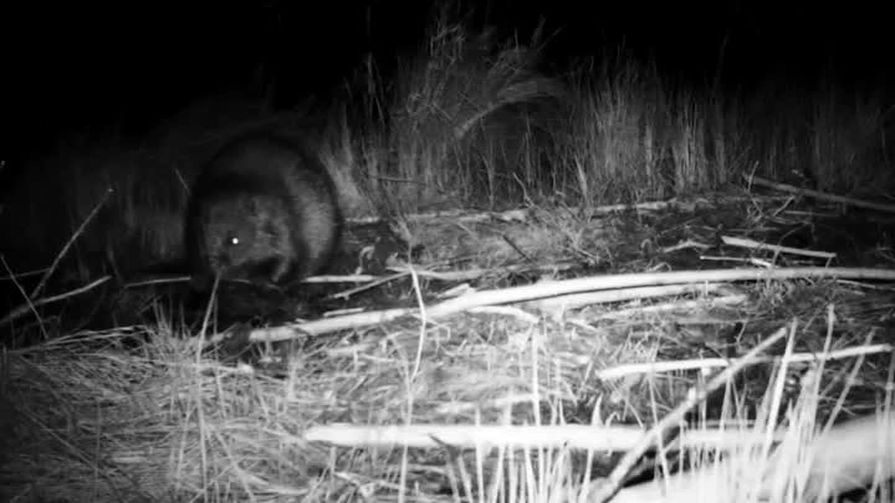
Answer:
(264, 211)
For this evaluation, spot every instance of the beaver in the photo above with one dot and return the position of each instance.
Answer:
(263, 210)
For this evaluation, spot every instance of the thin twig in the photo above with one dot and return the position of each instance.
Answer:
(43, 281)
(11, 276)
(381, 281)
(28, 302)
(30, 306)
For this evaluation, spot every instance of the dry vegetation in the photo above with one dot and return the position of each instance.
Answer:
(517, 361)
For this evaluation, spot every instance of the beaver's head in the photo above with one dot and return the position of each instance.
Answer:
(248, 239)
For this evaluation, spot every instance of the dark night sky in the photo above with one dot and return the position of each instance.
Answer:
(131, 63)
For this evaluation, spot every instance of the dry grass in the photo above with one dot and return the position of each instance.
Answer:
(142, 415)
(454, 124)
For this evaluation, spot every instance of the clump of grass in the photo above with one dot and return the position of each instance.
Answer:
(421, 146)
(633, 135)
(144, 411)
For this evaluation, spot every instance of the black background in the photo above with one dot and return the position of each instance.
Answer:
(82, 67)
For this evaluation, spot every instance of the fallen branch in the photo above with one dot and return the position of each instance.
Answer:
(687, 305)
(578, 437)
(742, 260)
(706, 363)
(558, 305)
(777, 249)
(594, 283)
(816, 194)
(564, 287)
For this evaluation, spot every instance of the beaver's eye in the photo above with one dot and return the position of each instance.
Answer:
(232, 240)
